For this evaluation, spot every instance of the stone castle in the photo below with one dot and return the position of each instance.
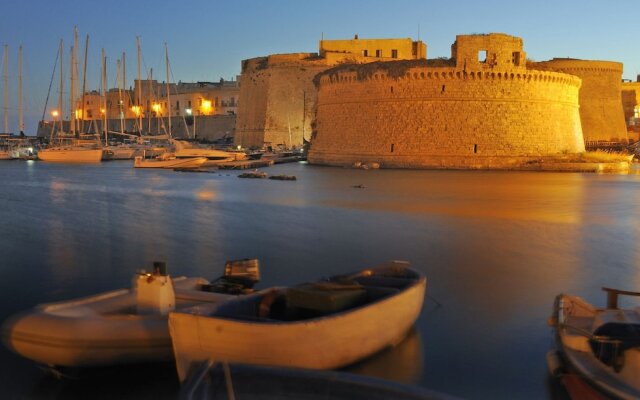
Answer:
(277, 92)
(382, 101)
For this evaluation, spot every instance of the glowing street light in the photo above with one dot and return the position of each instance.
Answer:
(137, 110)
(188, 111)
(55, 113)
(156, 108)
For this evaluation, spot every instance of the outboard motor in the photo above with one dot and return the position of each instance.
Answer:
(155, 294)
(239, 277)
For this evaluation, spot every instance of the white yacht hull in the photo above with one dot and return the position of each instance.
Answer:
(169, 162)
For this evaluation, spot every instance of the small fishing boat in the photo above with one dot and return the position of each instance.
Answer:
(121, 326)
(223, 381)
(168, 160)
(323, 325)
(601, 346)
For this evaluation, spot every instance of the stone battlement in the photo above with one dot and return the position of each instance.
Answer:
(342, 75)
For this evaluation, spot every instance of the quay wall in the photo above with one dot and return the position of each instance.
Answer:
(409, 115)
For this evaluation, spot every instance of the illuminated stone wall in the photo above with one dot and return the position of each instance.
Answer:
(601, 110)
(277, 94)
(402, 49)
(274, 93)
(631, 105)
(425, 114)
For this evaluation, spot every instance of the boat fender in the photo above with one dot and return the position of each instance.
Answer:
(554, 364)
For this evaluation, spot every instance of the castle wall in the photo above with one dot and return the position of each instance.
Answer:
(421, 117)
(402, 49)
(601, 110)
(277, 97)
(495, 50)
(631, 105)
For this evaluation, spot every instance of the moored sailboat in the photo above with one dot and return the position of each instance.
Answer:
(70, 147)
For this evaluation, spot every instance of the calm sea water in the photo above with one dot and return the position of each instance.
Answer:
(496, 248)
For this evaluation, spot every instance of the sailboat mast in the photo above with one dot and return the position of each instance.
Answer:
(152, 98)
(124, 85)
(84, 81)
(74, 73)
(72, 120)
(166, 56)
(60, 98)
(139, 94)
(21, 112)
(120, 113)
(6, 88)
(104, 98)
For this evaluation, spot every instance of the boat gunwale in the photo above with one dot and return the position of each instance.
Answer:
(420, 281)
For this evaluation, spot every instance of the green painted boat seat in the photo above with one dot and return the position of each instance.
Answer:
(326, 298)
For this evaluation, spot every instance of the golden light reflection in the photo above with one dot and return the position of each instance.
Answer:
(206, 195)
(137, 110)
(156, 107)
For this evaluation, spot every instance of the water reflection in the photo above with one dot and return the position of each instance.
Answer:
(496, 248)
(409, 354)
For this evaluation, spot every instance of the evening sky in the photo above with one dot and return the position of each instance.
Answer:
(208, 39)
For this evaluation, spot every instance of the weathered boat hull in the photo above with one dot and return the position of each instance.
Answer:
(99, 330)
(328, 342)
(70, 155)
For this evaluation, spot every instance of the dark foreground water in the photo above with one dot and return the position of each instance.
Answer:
(496, 248)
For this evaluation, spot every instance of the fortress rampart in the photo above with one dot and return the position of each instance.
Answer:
(409, 114)
(601, 111)
(277, 97)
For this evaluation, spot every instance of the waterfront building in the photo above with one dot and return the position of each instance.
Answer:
(631, 107)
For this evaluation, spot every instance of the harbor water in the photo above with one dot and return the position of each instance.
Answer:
(496, 248)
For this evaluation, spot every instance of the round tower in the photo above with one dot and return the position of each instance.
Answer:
(601, 112)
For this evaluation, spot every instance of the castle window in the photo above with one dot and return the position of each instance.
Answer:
(391, 89)
(482, 56)
(378, 53)
(365, 53)
(515, 58)
(392, 146)
(475, 149)
(394, 53)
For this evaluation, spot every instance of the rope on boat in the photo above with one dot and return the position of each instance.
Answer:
(227, 381)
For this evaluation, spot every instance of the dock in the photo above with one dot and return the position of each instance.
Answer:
(245, 164)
